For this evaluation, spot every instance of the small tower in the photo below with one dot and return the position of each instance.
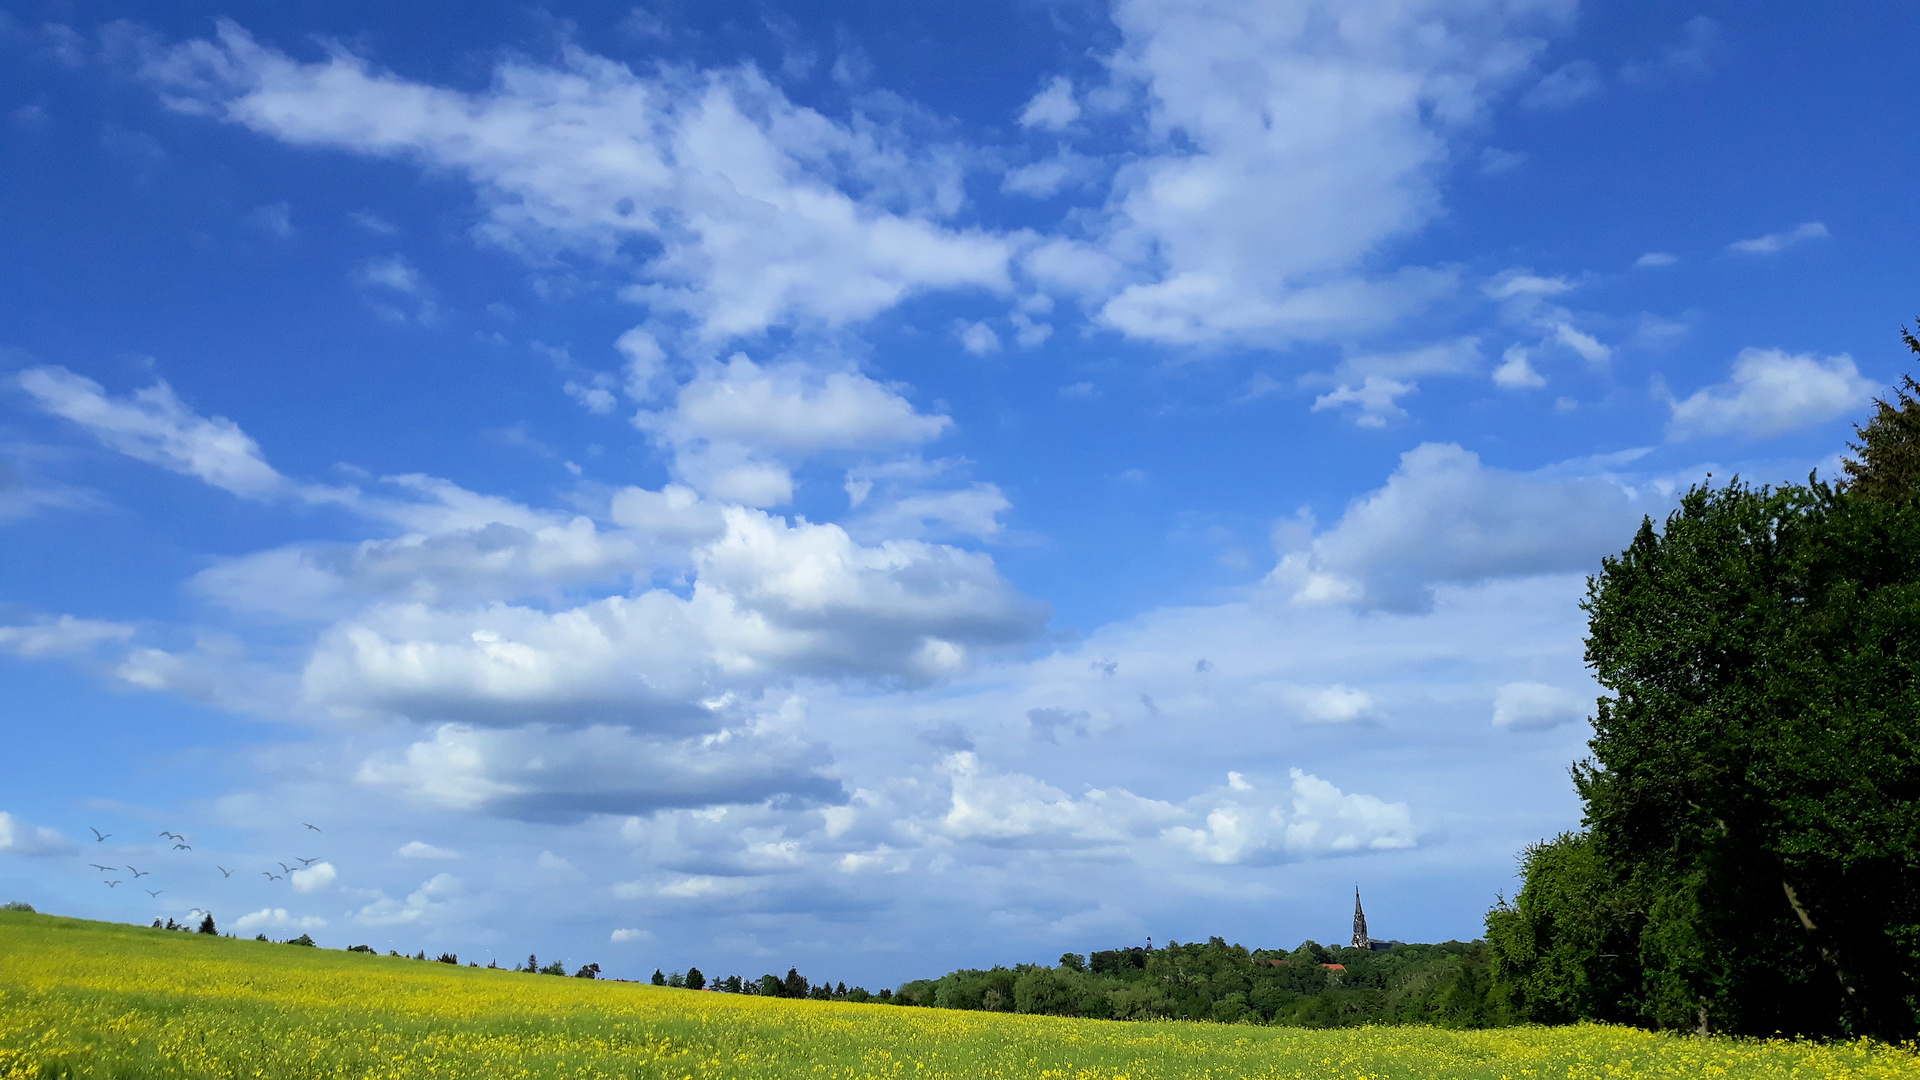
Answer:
(1360, 938)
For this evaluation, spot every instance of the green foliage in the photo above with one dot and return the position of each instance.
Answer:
(659, 979)
(1888, 468)
(695, 980)
(303, 939)
(207, 927)
(16, 905)
(1752, 856)
(1446, 985)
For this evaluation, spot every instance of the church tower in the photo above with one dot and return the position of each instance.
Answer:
(1360, 938)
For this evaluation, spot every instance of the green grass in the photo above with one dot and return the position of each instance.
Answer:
(85, 999)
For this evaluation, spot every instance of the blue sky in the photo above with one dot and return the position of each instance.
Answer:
(880, 488)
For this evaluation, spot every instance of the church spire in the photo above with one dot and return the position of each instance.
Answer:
(1360, 938)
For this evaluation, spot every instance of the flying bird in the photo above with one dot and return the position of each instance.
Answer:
(181, 847)
(315, 828)
(154, 892)
(110, 884)
(223, 870)
(139, 873)
(305, 862)
(272, 876)
(97, 834)
(171, 836)
(97, 866)
(284, 867)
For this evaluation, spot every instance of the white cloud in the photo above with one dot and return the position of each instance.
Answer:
(1292, 140)
(60, 636)
(273, 918)
(1376, 398)
(17, 837)
(1457, 357)
(1531, 706)
(154, 426)
(428, 900)
(1444, 516)
(1780, 241)
(315, 877)
(1771, 392)
(971, 511)
(1336, 704)
(391, 272)
(1516, 371)
(977, 338)
(1014, 808)
(1656, 258)
(1568, 84)
(420, 849)
(731, 426)
(746, 193)
(1312, 819)
(1053, 108)
(628, 934)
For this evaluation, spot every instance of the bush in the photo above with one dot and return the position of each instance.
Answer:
(207, 927)
(449, 958)
(303, 939)
(360, 948)
(15, 905)
(695, 980)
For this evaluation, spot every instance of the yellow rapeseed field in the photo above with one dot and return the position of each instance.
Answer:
(84, 999)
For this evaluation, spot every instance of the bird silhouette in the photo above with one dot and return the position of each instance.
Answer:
(305, 862)
(171, 836)
(97, 834)
(224, 871)
(285, 868)
(272, 876)
(110, 884)
(315, 828)
(139, 873)
(97, 866)
(182, 847)
(154, 892)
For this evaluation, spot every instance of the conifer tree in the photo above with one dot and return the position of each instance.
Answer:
(1888, 468)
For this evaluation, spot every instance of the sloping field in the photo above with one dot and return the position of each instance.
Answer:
(85, 999)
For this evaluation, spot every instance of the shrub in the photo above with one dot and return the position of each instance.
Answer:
(449, 958)
(207, 927)
(15, 905)
(303, 939)
(368, 949)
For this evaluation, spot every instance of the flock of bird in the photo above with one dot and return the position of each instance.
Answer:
(180, 844)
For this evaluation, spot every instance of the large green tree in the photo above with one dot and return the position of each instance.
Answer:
(1752, 855)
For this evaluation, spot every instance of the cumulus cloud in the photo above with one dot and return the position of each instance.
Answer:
(745, 194)
(422, 904)
(1294, 139)
(630, 934)
(1569, 84)
(735, 426)
(1053, 108)
(1516, 371)
(1312, 818)
(18, 837)
(154, 426)
(546, 775)
(1241, 823)
(1772, 392)
(1445, 516)
(273, 918)
(420, 849)
(1780, 241)
(314, 878)
(1375, 401)
(1531, 706)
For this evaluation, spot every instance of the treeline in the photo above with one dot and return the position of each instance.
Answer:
(795, 985)
(1750, 857)
(1311, 986)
